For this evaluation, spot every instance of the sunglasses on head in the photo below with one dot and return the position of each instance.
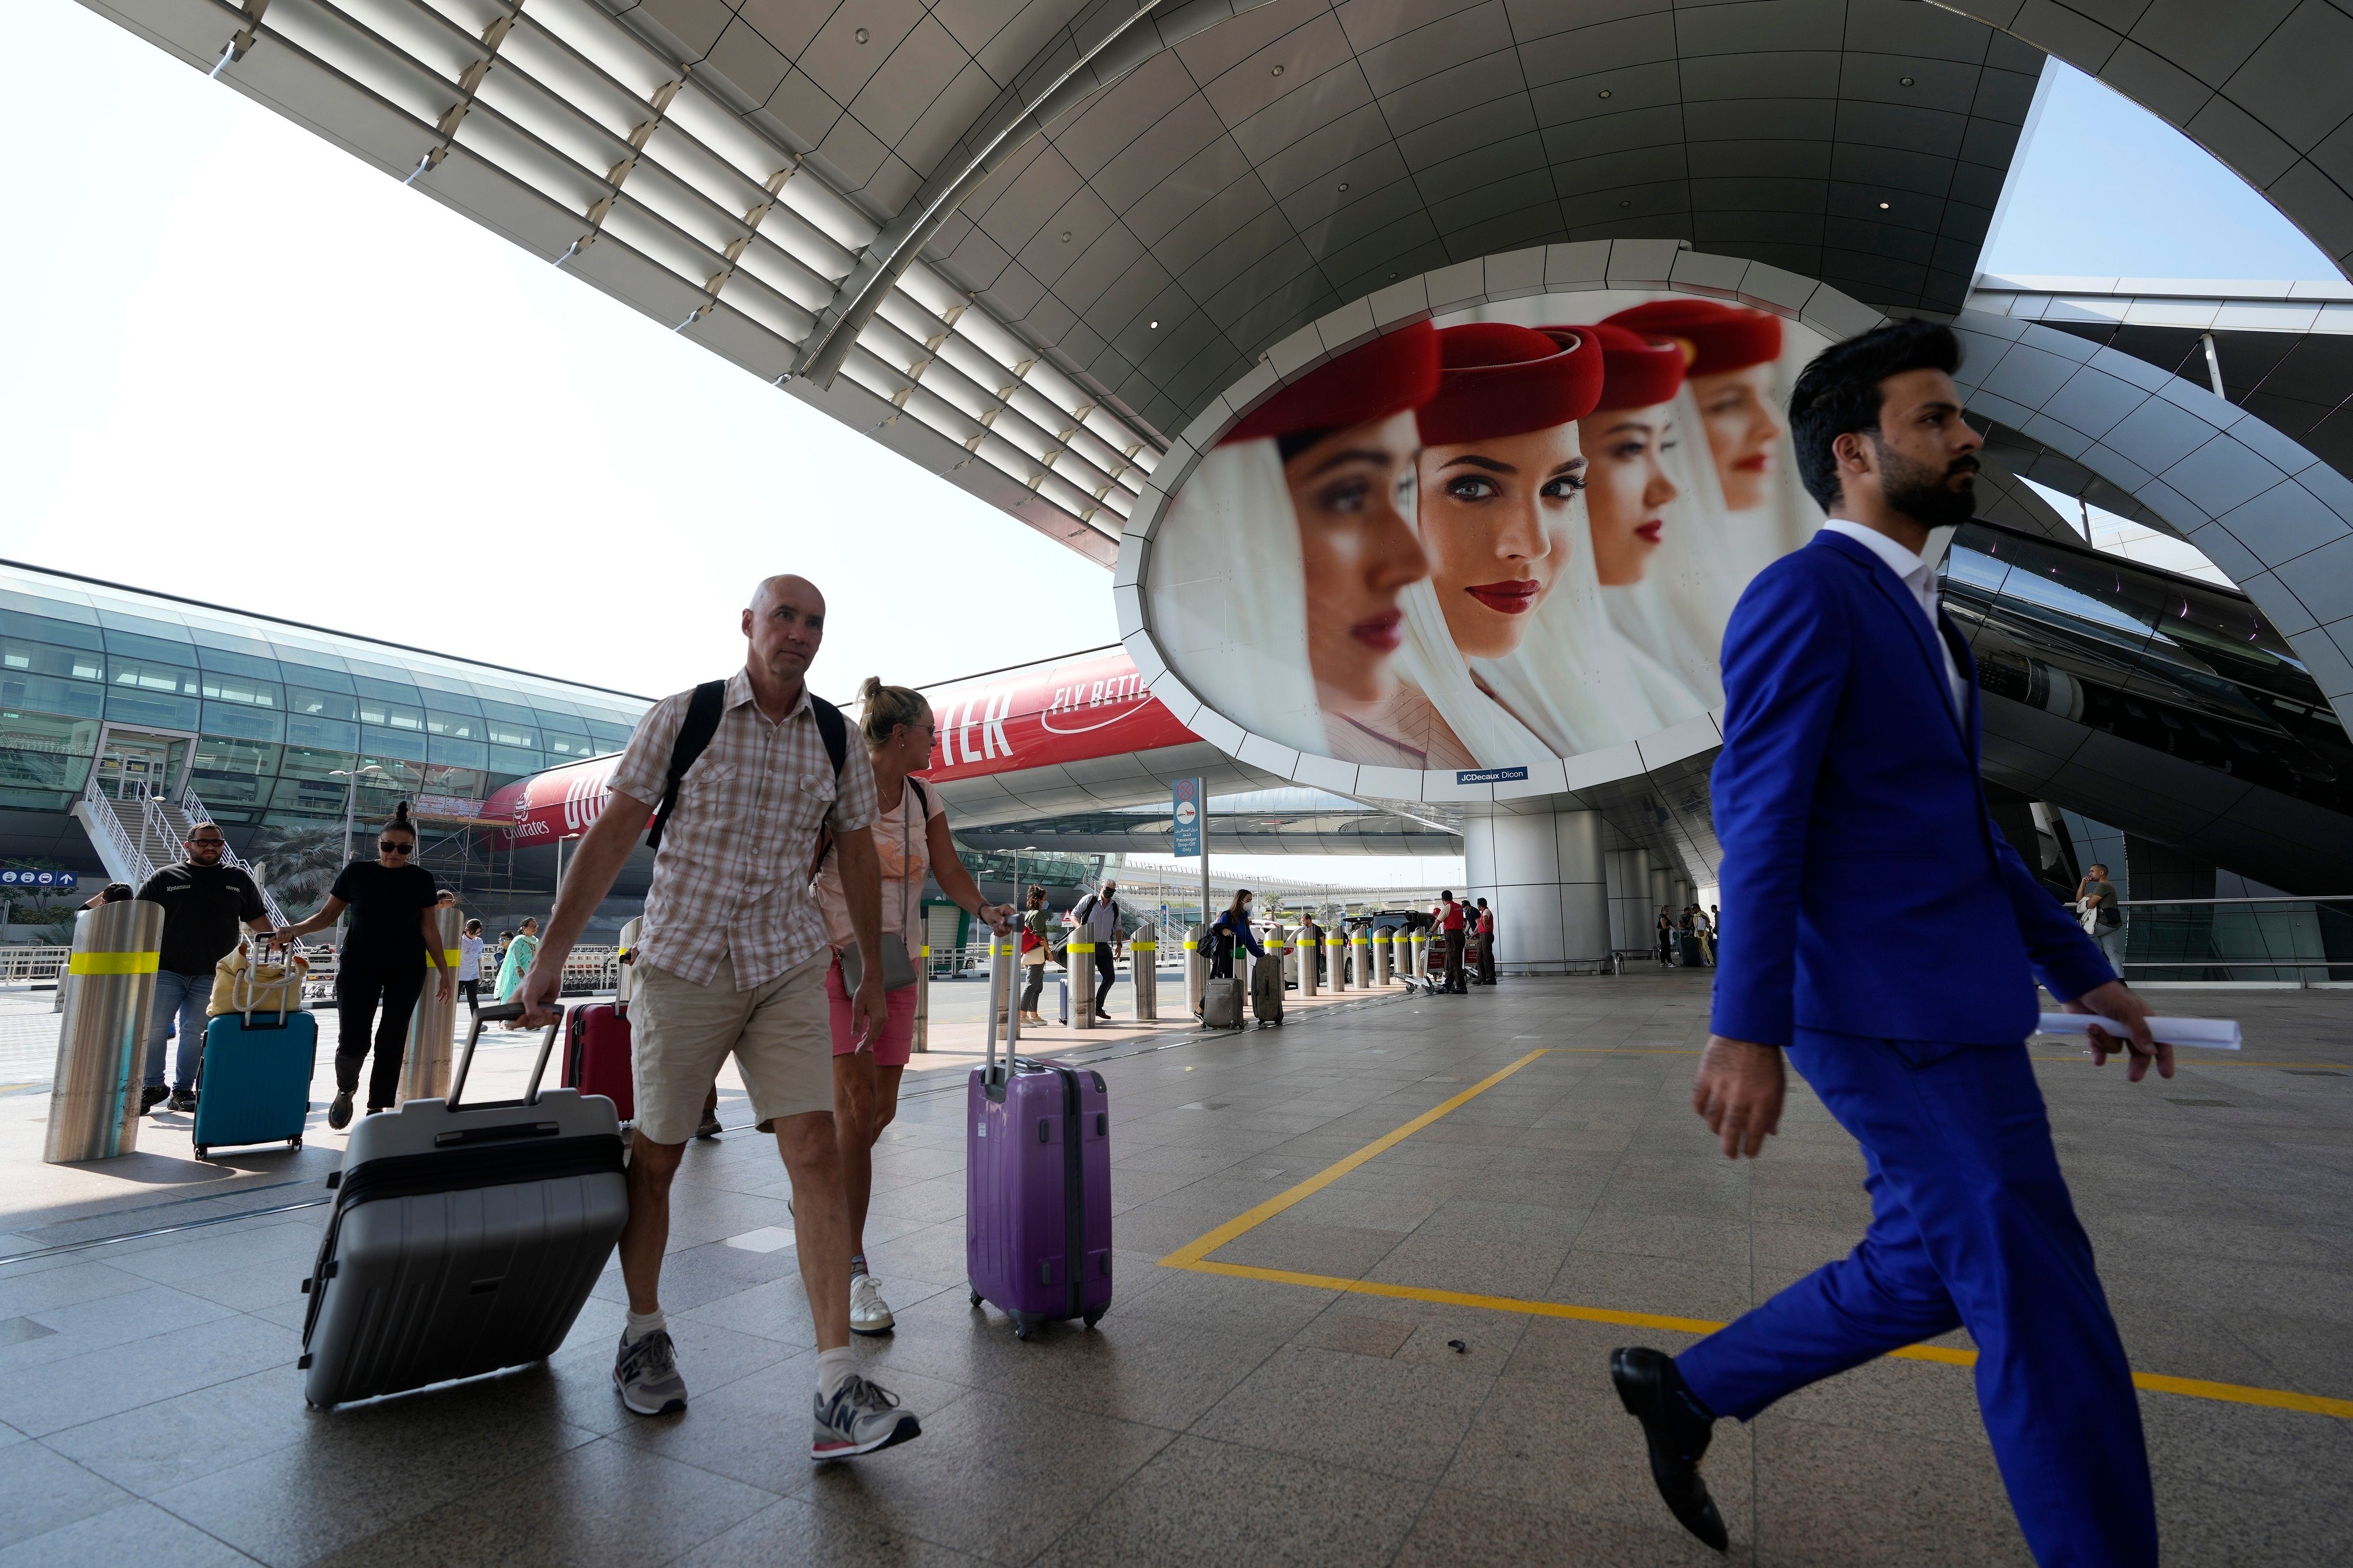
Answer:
(394, 845)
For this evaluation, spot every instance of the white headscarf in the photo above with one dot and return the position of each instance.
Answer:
(1428, 661)
(1674, 616)
(1230, 595)
(1573, 680)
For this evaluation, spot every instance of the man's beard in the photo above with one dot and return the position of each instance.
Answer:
(1920, 493)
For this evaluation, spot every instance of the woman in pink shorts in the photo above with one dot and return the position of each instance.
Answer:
(911, 837)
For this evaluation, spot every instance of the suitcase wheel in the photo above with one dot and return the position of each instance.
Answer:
(295, 1141)
(1091, 1318)
(975, 1298)
(1023, 1327)
(204, 1150)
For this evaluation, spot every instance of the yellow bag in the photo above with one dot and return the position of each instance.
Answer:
(239, 986)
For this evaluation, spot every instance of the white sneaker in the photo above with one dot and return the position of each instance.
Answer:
(869, 1314)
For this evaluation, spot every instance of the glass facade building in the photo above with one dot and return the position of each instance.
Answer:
(258, 716)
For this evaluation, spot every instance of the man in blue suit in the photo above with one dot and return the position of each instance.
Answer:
(1848, 782)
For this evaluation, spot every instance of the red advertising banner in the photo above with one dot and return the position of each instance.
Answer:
(1069, 710)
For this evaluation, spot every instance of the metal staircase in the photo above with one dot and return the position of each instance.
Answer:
(141, 832)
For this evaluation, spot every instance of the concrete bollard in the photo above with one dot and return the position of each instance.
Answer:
(1082, 981)
(432, 1047)
(1142, 960)
(1310, 944)
(1336, 954)
(1384, 959)
(103, 1043)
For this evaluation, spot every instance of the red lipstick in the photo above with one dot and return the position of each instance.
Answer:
(1756, 463)
(1516, 598)
(1380, 632)
(1648, 532)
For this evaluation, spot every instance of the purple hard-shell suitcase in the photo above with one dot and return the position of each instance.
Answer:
(1037, 1182)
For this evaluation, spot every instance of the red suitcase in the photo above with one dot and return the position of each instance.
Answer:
(596, 1055)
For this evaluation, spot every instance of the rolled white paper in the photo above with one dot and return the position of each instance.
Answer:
(2210, 1033)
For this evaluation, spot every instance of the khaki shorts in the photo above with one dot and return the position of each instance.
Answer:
(782, 1042)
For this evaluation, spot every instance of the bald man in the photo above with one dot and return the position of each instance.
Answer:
(732, 961)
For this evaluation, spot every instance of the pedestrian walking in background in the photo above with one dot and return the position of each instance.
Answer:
(1486, 944)
(1037, 933)
(380, 967)
(910, 839)
(2103, 913)
(732, 961)
(470, 966)
(519, 954)
(1228, 932)
(1450, 924)
(1666, 939)
(205, 901)
(499, 954)
(1097, 916)
(1850, 700)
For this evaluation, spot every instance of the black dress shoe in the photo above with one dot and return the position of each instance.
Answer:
(1677, 1428)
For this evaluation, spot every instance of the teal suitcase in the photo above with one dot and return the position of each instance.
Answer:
(254, 1086)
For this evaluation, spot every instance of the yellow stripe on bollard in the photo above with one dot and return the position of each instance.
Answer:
(450, 955)
(1082, 947)
(113, 964)
(1146, 946)
(1190, 944)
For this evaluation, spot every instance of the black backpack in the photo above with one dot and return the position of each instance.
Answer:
(703, 711)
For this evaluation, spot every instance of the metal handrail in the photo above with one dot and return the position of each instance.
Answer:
(24, 965)
(2271, 940)
(100, 809)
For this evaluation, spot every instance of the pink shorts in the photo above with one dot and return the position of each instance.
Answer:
(898, 1041)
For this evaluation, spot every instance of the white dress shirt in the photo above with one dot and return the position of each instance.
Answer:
(1921, 579)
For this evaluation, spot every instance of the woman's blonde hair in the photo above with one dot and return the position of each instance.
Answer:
(886, 708)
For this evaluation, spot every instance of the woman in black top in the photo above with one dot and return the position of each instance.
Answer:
(394, 936)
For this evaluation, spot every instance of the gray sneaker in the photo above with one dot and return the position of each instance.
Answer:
(859, 1419)
(647, 1374)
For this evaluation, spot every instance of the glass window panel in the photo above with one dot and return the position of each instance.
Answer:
(150, 675)
(312, 762)
(223, 640)
(457, 726)
(50, 628)
(449, 701)
(513, 712)
(245, 688)
(147, 651)
(457, 753)
(40, 598)
(366, 668)
(331, 734)
(40, 771)
(49, 659)
(120, 624)
(48, 733)
(503, 733)
(548, 703)
(379, 741)
(314, 798)
(610, 737)
(234, 773)
(466, 784)
(229, 662)
(128, 705)
(507, 759)
(323, 704)
(82, 699)
(244, 723)
(311, 668)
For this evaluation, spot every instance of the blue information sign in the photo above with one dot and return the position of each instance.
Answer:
(1490, 775)
(1186, 809)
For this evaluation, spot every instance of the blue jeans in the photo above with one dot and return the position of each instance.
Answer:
(1971, 1226)
(187, 995)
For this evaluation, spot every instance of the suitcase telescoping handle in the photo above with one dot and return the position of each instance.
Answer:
(1004, 980)
(504, 1012)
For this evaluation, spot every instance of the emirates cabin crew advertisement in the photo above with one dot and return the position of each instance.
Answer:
(1476, 545)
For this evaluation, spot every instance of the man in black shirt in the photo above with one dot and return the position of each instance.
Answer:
(204, 901)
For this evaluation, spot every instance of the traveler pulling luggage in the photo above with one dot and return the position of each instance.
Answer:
(465, 1238)
(1037, 1180)
(260, 1049)
(597, 1039)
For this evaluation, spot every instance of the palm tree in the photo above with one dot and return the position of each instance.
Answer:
(299, 863)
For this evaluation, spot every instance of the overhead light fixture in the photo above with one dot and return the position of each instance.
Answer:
(1905, 80)
(1278, 70)
(1883, 206)
(1155, 326)
(861, 34)
(1343, 184)
(1066, 236)
(1605, 92)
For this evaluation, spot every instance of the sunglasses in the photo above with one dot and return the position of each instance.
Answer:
(394, 846)
(208, 843)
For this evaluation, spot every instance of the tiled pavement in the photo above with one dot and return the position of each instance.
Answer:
(149, 1410)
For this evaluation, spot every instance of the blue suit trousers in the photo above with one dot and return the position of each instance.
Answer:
(1971, 1227)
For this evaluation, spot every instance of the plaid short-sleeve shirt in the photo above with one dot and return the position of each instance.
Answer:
(732, 877)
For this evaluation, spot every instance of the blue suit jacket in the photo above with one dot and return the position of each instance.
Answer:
(1866, 890)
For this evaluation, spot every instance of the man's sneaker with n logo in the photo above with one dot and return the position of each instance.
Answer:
(858, 1419)
(646, 1372)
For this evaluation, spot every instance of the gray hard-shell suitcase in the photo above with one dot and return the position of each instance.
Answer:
(465, 1237)
(1266, 990)
(1221, 1003)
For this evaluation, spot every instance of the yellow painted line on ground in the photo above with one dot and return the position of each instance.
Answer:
(1194, 1255)
(1193, 1251)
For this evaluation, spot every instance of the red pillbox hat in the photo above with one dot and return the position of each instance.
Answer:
(1638, 369)
(1722, 337)
(1395, 372)
(1498, 380)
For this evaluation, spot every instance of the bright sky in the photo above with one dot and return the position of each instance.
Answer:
(2104, 189)
(244, 367)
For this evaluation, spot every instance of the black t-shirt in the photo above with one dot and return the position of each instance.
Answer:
(385, 901)
(203, 906)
